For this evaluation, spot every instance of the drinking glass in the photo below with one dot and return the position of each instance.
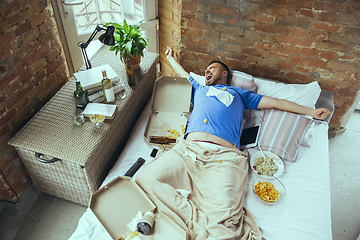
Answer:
(78, 116)
(122, 93)
(97, 119)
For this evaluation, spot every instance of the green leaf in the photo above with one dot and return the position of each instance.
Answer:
(128, 39)
(128, 46)
(116, 25)
(126, 27)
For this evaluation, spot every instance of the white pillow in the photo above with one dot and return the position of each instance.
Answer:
(238, 79)
(302, 94)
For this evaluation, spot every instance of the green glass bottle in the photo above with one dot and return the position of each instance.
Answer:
(81, 96)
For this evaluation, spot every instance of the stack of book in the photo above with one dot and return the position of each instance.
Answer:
(91, 80)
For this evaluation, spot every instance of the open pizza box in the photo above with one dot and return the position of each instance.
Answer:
(118, 203)
(169, 109)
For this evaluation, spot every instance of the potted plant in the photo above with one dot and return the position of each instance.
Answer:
(129, 42)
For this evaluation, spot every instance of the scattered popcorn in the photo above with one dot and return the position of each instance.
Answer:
(133, 235)
(122, 237)
(133, 228)
(173, 133)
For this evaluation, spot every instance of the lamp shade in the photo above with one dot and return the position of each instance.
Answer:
(108, 37)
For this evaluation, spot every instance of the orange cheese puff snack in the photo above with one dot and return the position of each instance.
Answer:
(266, 191)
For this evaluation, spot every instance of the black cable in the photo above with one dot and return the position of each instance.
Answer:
(17, 197)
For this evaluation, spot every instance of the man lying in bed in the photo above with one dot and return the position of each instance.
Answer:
(200, 182)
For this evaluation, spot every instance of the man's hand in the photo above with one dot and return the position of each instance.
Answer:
(320, 113)
(168, 52)
(284, 105)
(175, 65)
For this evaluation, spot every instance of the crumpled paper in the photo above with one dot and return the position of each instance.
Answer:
(191, 155)
(133, 224)
(184, 193)
(223, 96)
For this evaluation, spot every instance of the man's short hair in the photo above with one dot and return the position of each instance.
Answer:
(225, 67)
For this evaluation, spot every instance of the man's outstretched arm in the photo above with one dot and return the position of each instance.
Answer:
(175, 65)
(273, 103)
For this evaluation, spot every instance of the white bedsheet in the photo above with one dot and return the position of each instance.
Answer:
(305, 212)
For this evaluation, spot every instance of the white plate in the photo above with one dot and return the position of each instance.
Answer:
(108, 110)
(278, 162)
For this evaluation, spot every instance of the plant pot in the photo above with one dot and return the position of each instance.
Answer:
(135, 62)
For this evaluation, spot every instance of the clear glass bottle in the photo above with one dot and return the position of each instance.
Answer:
(81, 96)
(130, 73)
(107, 88)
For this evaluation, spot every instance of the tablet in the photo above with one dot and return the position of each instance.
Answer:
(249, 136)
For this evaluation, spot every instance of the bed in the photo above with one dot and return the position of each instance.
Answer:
(305, 212)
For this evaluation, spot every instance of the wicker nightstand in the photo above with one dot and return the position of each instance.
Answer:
(84, 152)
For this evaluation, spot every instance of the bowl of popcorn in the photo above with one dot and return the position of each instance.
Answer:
(268, 190)
(97, 119)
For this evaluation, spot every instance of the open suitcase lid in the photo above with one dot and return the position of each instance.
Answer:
(169, 107)
(117, 204)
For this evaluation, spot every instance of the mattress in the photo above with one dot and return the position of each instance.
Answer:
(305, 212)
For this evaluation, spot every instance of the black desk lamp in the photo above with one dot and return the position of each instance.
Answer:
(107, 38)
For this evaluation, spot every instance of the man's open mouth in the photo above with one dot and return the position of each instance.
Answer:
(208, 76)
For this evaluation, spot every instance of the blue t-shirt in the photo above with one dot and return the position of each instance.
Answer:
(212, 116)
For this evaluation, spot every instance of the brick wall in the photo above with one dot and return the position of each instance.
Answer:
(32, 69)
(288, 40)
(169, 31)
